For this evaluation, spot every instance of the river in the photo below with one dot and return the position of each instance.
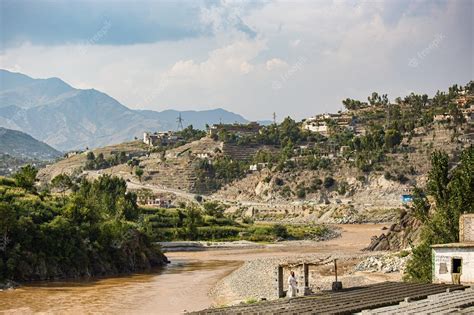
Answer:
(181, 286)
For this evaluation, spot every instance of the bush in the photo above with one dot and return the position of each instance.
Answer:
(280, 231)
(198, 198)
(279, 181)
(218, 232)
(301, 192)
(342, 187)
(328, 182)
(213, 208)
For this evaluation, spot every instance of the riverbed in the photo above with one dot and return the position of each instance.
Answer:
(183, 285)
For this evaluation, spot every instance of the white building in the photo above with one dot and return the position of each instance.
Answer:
(455, 262)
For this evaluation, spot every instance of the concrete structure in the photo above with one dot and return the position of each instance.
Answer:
(450, 302)
(454, 262)
(160, 138)
(355, 300)
(320, 123)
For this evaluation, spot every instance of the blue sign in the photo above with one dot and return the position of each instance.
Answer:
(407, 198)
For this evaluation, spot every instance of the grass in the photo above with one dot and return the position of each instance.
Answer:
(251, 301)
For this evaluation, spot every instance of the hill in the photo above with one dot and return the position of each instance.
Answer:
(362, 167)
(68, 118)
(21, 145)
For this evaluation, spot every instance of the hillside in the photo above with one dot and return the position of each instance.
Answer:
(359, 170)
(67, 118)
(21, 145)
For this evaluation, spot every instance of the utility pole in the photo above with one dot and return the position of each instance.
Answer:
(274, 118)
(180, 120)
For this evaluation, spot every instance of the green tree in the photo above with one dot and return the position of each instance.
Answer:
(191, 222)
(453, 194)
(214, 208)
(392, 138)
(26, 177)
(139, 173)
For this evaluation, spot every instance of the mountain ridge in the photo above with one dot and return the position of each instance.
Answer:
(21, 145)
(68, 118)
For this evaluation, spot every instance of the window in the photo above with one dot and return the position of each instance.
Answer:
(456, 264)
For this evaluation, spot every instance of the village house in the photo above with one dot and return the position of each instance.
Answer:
(321, 123)
(160, 138)
(152, 200)
(442, 118)
(454, 262)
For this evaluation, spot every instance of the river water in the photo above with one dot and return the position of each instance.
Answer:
(183, 285)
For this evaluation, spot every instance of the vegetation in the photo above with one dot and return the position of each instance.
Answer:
(99, 162)
(452, 194)
(94, 231)
(193, 223)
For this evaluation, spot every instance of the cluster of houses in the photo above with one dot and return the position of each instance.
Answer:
(160, 138)
(322, 123)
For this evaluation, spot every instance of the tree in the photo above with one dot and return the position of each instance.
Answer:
(62, 183)
(392, 138)
(26, 177)
(214, 208)
(7, 223)
(139, 173)
(191, 222)
(453, 194)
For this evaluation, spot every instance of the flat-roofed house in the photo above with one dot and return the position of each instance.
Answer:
(454, 262)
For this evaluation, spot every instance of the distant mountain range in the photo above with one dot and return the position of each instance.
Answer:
(18, 144)
(67, 118)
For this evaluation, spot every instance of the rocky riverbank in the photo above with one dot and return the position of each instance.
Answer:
(255, 279)
(8, 285)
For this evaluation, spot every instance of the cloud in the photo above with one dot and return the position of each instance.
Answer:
(275, 63)
(43, 22)
(234, 52)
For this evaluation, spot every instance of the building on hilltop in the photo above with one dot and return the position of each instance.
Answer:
(454, 262)
(321, 123)
(160, 138)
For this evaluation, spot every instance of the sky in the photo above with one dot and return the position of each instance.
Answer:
(294, 58)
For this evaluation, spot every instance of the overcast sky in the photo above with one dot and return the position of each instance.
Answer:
(294, 58)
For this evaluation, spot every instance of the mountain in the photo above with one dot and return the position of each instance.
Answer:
(67, 118)
(18, 144)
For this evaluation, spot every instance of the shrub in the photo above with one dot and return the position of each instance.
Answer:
(301, 192)
(361, 178)
(280, 231)
(328, 182)
(279, 181)
(198, 198)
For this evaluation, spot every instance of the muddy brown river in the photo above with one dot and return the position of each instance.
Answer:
(181, 286)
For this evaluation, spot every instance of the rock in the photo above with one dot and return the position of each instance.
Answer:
(8, 285)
